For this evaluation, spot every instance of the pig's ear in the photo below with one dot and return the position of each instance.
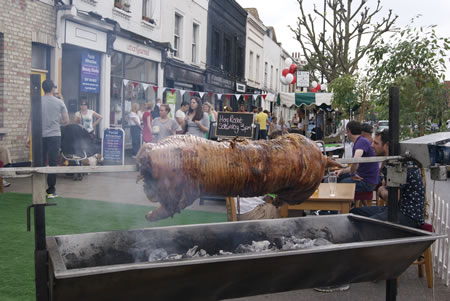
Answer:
(332, 163)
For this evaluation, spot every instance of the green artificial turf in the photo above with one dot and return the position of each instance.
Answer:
(70, 216)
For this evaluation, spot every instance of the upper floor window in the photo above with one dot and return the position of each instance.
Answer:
(257, 69)
(216, 48)
(271, 76)
(147, 11)
(177, 35)
(195, 33)
(227, 54)
(250, 65)
(122, 4)
(265, 74)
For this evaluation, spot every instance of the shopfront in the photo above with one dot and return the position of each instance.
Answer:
(134, 79)
(82, 64)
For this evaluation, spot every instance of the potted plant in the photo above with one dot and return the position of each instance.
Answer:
(126, 7)
(117, 4)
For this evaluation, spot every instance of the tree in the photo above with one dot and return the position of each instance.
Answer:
(344, 94)
(412, 59)
(340, 53)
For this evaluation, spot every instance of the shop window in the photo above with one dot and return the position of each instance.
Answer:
(39, 57)
(116, 64)
(195, 33)
(177, 35)
(139, 69)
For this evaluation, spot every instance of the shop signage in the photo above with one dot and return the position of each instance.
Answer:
(85, 37)
(240, 87)
(234, 124)
(140, 50)
(171, 100)
(90, 72)
(113, 147)
(303, 79)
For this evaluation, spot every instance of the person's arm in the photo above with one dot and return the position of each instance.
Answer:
(136, 121)
(204, 123)
(65, 118)
(76, 118)
(149, 122)
(98, 118)
(353, 167)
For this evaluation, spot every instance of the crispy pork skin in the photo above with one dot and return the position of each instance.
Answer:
(179, 169)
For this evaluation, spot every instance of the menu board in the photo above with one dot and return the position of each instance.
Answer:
(113, 147)
(234, 124)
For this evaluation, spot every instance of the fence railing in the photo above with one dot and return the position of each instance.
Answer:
(439, 214)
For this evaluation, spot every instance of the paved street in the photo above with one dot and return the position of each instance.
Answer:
(124, 189)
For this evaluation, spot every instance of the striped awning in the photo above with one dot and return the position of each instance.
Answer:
(307, 99)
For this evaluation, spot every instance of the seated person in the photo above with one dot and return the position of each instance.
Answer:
(257, 208)
(412, 194)
(366, 131)
(365, 175)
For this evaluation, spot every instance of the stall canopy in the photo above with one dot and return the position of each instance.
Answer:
(307, 99)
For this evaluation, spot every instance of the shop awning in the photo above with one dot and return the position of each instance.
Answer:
(307, 99)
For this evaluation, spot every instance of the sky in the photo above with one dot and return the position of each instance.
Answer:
(285, 12)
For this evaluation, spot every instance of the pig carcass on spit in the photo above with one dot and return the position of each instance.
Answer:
(179, 169)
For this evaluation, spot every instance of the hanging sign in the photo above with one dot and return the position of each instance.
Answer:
(171, 100)
(303, 79)
(90, 72)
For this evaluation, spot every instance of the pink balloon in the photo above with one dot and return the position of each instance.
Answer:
(293, 68)
(285, 71)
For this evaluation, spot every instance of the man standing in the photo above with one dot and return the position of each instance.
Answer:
(54, 113)
(155, 112)
(180, 114)
(365, 175)
(412, 194)
(261, 119)
(163, 126)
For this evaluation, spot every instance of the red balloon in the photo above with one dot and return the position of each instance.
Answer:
(284, 72)
(316, 89)
(294, 80)
(293, 68)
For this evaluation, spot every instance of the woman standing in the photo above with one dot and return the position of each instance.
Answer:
(135, 129)
(147, 120)
(197, 121)
(85, 117)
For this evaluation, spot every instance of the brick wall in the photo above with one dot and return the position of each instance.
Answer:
(21, 24)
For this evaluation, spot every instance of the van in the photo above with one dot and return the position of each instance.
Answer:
(383, 124)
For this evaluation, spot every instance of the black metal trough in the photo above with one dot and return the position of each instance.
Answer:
(113, 265)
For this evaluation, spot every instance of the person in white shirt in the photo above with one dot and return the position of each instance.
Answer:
(257, 208)
(180, 114)
(135, 129)
(85, 117)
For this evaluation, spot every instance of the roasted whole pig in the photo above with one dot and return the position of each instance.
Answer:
(179, 169)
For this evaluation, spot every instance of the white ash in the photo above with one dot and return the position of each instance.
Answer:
(281, 243)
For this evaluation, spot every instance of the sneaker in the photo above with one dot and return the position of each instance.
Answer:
(52, 196)
(6, 184)
(334, 288)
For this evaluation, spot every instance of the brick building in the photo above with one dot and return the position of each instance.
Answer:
(27, 37)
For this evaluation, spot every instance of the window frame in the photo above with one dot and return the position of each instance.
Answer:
(195, 40)
(178, 26)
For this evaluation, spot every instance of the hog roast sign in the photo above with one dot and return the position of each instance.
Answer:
(113, 147)
(233, 124)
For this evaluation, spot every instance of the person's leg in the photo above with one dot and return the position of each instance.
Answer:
(262, 134)
(135, 139)
(368, 211)
(53, 146)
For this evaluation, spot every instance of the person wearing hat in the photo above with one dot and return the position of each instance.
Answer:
(85, 117)
(54, 113)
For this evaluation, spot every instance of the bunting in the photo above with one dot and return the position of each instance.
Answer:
(125, 82)
(155, 88)
(201, 94)
(182, 92)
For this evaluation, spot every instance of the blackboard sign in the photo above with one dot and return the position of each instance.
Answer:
(232, 124)
(113, 147)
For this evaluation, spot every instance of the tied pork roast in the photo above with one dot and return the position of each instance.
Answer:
(179, 169)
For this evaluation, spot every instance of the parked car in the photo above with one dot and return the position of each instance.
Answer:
(383, 124)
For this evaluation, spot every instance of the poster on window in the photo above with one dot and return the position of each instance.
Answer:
(90, 72)
(171, 100)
